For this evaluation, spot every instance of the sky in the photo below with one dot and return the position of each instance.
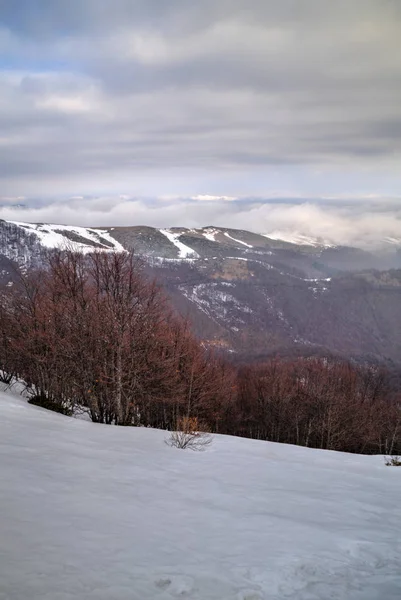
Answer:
(257, 113)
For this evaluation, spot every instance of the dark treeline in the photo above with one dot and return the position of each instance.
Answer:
(92, 333)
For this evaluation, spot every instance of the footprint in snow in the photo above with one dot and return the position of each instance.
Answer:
(176, 585)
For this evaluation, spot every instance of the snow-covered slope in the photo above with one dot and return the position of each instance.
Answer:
(299, 239)
(92, 512)
(82, 239)
(184, 251)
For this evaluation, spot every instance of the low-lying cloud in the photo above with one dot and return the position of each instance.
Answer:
(363, 222)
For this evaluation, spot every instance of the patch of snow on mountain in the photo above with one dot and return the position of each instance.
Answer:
(324, 279)
(51, 236)
(298, 239)
(238, 241)
(184, 251)
(210, 234)
(161, 260)
(318, 290)
(109, 238)
(214, 302)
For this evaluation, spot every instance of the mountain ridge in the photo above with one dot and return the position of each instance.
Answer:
(244, 293)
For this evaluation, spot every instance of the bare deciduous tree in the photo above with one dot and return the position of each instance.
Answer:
(91, 332)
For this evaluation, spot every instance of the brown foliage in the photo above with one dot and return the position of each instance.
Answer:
(321, 404)
(93, 333)
(188, 435)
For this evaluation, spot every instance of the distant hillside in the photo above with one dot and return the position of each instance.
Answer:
(245, 293)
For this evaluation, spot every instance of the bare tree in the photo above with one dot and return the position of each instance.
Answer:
(91, 332)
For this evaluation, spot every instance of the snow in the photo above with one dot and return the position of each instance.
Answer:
(184, 251)
(393, 241)
(319, 279)
(214, 302)
(317, 290)
(293, 237)
(210, 234)
(160, 260)
(50, 237)
(93, 512)
(238, 241)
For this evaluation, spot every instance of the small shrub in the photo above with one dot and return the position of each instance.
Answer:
(393, 461)
(44, 402)
(188, 436)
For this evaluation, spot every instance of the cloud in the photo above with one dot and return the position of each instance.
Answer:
(363, 222)
(220, 98)
(209, 198)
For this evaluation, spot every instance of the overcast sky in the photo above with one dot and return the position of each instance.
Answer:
(286, 105)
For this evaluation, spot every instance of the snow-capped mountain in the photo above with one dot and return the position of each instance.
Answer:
(247, 293)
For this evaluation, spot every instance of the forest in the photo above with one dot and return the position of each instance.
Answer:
(91, 333)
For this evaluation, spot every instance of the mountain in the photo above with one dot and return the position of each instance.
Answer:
(248, 294)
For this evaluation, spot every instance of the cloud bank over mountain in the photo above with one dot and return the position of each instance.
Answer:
(364, 222)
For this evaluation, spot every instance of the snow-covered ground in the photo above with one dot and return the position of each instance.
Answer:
(92, 512)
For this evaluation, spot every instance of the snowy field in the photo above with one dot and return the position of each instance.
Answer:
(92, 512)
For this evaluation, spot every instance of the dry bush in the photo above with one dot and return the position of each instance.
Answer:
(393, 461)
(188, 436)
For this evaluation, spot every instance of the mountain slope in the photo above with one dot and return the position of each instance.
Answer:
(95, 512)
(246, 293)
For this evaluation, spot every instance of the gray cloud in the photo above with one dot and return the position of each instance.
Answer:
(156, 97)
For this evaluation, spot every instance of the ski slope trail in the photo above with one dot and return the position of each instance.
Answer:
(92, 512)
